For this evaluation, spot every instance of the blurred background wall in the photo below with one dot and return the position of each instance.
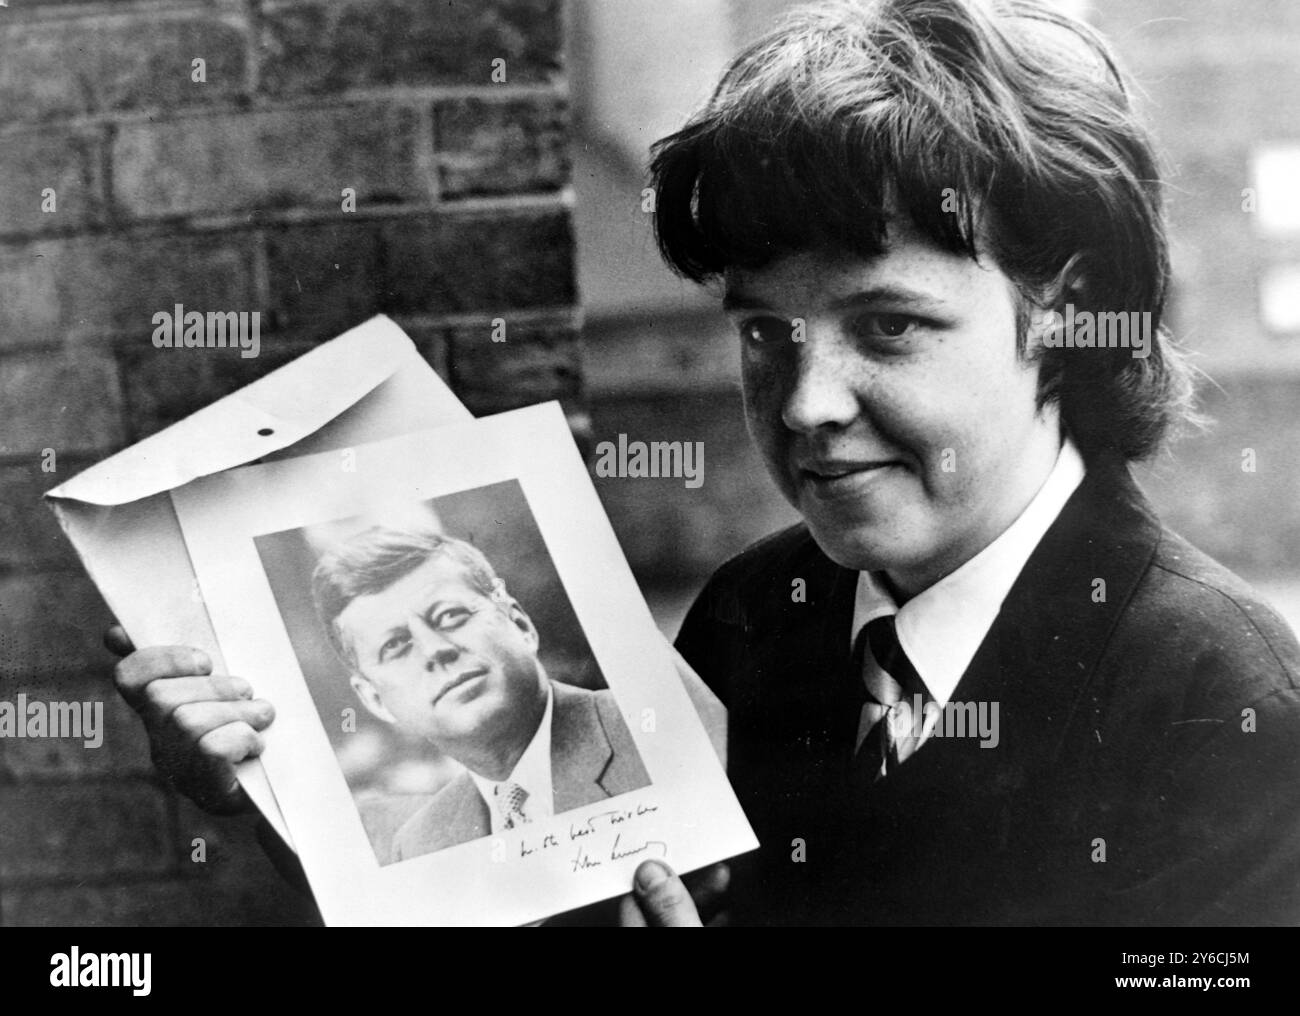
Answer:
(1219, 84)
(479, 199)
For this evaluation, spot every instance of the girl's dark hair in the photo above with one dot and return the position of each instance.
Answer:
(1002, 121)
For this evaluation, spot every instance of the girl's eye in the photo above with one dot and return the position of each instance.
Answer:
(764, 331)
(884, 326)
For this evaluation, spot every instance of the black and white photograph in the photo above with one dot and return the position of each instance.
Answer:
(460, 695)
(657, 463)
(433, 762)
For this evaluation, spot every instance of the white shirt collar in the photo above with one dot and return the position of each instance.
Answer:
(532, 772)
(941, 628)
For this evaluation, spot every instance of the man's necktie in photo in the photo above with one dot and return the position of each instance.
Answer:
(889, 729)
(510, 798)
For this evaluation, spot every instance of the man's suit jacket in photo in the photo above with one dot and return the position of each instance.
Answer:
(593, 757)
(1148, 763)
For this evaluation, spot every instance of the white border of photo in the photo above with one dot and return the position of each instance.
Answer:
(689, 816)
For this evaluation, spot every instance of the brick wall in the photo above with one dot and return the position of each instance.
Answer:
(227, 194)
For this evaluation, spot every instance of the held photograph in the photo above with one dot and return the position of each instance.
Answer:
(477, 721)
(449, 670)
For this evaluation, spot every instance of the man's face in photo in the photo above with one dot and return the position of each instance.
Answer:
(903, 426)
(441, 660)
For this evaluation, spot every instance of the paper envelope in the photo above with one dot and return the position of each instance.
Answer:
(366, 385)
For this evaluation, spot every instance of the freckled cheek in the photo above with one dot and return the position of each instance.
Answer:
(914, 419)
(760, 382)
(964, 457)
(938, 436)
(764, 402)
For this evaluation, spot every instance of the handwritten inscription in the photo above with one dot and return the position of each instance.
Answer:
(582, 862)
(602, 821)
(630, 851)
(548, 841)
(588, 833)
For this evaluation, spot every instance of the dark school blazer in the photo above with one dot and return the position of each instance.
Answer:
(1148, 764)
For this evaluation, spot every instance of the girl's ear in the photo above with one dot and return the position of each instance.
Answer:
(1069, 286)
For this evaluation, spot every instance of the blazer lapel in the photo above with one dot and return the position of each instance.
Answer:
(1038, 657)
(580, 749)
(792, 714)
(459, 815)
(1058, 618)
